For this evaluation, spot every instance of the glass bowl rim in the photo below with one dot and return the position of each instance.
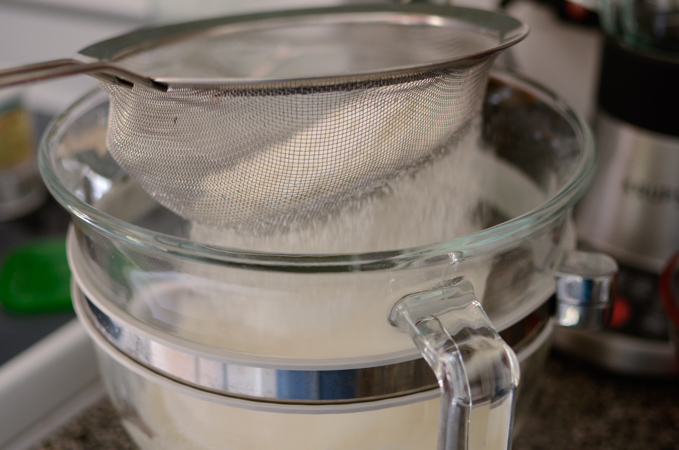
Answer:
(483, 241)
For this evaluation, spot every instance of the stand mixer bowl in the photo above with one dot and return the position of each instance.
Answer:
(204, 346)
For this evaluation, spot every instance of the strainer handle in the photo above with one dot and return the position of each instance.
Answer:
(478, 372)
(61, 68)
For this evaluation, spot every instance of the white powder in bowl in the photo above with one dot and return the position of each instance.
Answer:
(435, 203)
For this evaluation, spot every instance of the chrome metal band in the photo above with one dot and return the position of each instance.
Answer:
(270, 384)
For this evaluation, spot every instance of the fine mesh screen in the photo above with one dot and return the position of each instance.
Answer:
(292, 149)
(312, 46)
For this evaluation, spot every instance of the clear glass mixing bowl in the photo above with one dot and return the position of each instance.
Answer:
(140, 258)
(162, 414)
(235, 320)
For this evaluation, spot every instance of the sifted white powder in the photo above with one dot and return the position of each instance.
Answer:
(323, 315)
(167, 418)
(435, 203)
(338, 315)
(185, 422)
(317, 315)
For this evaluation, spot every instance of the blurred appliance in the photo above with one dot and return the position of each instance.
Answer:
(632, 209)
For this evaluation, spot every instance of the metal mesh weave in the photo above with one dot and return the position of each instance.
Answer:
(267, 156)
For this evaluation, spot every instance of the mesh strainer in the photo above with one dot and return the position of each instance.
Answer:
(270, 118)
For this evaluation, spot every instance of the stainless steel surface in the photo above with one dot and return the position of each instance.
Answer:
(128, 382)
(635, 342)
(112, 55)
(669, 297)
(579, 406)
(50, 70)
(632, 209)
(268, 379)
(282, 106)
(585, 285)
(618, 352)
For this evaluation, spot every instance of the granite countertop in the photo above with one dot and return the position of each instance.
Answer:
(579, 407)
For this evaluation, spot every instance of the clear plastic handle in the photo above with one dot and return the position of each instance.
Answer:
(477, 371)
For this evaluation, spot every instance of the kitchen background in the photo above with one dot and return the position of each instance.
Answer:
(597, 394)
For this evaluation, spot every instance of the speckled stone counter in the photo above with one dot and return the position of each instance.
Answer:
(580, 407)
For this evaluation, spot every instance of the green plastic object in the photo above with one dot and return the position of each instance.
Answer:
(35, 278)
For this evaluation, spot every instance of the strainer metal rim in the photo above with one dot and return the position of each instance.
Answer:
(506, 29)
(484, 241)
